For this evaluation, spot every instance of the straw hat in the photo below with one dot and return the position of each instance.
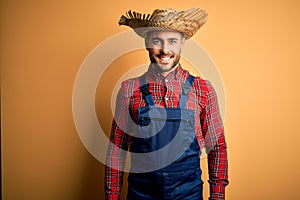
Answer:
(187, 22)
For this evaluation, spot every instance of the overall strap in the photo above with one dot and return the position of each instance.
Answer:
(144, 88)
(185, 88)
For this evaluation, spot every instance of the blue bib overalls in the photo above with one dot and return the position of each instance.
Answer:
(165, 162)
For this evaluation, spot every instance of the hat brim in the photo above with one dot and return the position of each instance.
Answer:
(186, 22)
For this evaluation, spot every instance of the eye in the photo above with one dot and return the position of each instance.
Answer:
(173, 41)
(156, 41)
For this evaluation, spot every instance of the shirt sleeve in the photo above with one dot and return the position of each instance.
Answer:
(117, 148)
(216, 148)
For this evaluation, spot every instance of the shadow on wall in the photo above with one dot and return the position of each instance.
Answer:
(92, 187)
(92, 183)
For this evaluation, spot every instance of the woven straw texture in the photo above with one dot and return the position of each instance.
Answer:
(187, 22)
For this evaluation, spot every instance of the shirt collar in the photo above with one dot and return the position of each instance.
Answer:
(177, 73)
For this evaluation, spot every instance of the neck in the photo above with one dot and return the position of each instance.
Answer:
(166, 73)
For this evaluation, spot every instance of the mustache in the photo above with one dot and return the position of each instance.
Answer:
(164, 54)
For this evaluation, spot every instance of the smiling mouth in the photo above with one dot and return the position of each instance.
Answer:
(165, 58)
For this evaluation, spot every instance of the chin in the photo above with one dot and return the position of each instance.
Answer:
(164, 68)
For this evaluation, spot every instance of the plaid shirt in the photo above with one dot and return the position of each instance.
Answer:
(166, 92)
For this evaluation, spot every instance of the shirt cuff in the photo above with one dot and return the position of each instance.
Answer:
(217, 192)
(112, 196)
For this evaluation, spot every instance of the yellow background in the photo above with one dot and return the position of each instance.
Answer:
(255, 45)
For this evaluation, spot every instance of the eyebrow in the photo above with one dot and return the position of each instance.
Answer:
(157, 38)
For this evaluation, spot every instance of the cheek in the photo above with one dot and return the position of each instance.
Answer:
(154, 51)
(177, 51)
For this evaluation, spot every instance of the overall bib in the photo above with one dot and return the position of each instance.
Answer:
(165, 158)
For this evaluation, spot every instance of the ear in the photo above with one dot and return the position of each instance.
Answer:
(182, 41)
(147, 42)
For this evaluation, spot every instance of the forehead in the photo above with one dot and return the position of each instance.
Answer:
(164, 34)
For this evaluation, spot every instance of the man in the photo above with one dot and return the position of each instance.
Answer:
(165, 118)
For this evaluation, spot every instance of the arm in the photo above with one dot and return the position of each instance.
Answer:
(213, 131)
(116, 158)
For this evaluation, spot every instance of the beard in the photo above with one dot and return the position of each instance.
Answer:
(161, 67)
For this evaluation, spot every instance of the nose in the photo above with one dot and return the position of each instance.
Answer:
(165, 48)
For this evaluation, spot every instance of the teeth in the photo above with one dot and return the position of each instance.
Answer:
(165, 58)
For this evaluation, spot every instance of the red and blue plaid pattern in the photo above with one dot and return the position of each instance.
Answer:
(166, 93)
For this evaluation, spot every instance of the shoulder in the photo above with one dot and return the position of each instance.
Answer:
(203, 89)
(129, 86)
(203, 85)
(199, 83)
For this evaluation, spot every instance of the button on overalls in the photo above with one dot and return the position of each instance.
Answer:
(165, 161)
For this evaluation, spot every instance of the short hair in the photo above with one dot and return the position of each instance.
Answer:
(149, 32)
